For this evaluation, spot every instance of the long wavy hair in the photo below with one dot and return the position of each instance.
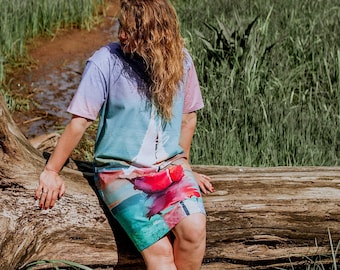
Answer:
(151, 30)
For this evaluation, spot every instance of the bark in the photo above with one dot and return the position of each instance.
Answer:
(258, 218)
(76, 229)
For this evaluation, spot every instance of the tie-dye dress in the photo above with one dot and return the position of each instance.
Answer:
(133, 144)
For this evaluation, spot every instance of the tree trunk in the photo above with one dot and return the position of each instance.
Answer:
(75, 229)
(258, 218)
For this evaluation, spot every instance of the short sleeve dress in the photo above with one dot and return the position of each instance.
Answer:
(133, 142)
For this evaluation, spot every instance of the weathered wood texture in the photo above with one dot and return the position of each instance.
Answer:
(76, 229)
(258, 218)
(266, 217)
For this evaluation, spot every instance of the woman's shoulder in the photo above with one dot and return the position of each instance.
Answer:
(105, 53)
(107, 58)
(188, 61)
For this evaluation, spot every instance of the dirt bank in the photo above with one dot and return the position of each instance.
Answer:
(55, 72)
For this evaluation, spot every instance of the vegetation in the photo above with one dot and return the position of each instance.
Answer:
(56, 264)
(269, 73)
(318, 261)
(23, 20)
(270, 76)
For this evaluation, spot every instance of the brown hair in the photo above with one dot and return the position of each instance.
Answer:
(152, 32)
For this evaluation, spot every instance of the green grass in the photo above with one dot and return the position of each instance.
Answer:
(269, 73)
(272, 98)
(23, 20)
(14, 102)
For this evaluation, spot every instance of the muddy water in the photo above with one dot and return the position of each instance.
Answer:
(52, 94)
(52, 85)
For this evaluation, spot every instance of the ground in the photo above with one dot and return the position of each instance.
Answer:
(57, 63)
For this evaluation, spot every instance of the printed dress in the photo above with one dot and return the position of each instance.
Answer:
(139, 170)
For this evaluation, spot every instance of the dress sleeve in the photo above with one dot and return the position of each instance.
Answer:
(193, 100)
(91, 93)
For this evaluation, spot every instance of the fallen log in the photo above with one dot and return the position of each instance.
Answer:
(258, 218)
(262, 218)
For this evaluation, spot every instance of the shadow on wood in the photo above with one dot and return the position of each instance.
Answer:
(258, 218)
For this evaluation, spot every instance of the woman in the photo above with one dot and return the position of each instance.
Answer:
(146, 92)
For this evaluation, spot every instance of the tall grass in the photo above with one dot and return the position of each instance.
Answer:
(269, 73)
(272, 97)
(22, 20)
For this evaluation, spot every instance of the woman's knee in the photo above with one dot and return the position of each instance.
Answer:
(161, 251)
(192, 229)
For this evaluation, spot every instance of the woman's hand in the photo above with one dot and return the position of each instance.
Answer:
(204, 183)
(51, 187)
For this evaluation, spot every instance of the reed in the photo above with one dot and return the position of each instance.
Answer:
(269, 73)
(270, 77)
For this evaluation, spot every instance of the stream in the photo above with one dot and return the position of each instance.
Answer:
(52, 83)
(52, 94)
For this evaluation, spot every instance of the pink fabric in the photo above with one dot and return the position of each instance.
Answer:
(158, 181)
(193, 99)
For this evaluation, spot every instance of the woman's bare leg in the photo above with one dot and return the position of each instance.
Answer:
(159, 256)
(190, 241)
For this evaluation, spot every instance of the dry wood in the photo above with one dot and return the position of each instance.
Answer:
(258, 218)
(267, 217)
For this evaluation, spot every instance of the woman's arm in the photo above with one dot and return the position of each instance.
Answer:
(187, 133)
(51, 185)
